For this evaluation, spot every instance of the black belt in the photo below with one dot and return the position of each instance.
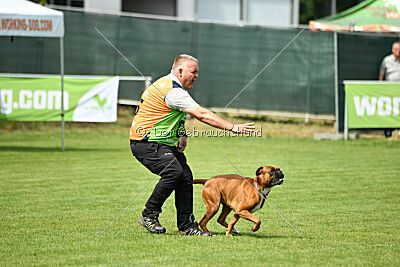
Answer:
(138, 141)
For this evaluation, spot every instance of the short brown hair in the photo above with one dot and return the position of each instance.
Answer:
(182, 58)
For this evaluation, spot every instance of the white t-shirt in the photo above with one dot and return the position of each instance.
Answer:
(391, 67)
(178, 98)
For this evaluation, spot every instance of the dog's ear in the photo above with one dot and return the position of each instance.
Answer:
(258, 171)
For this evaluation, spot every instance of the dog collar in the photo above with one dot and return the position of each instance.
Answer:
(259, 190)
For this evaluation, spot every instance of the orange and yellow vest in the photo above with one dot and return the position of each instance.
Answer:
(154, 121)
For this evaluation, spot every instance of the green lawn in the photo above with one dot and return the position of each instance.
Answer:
(343, 196)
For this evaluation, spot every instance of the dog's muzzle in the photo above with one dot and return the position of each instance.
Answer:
(278, 182)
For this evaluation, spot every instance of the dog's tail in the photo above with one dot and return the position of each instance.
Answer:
(200, 181)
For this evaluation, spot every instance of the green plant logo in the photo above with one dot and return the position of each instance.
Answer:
(100, 102)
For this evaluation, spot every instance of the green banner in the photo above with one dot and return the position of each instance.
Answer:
(372, 104)
(39, 99)
(370, 15)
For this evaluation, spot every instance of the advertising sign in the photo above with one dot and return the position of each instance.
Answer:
(39, 99)
(372, 104)
(25, 18)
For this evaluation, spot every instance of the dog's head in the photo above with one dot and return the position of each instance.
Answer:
(270, 176)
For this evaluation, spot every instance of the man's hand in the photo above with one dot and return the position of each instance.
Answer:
(245, 128)
(182, 143)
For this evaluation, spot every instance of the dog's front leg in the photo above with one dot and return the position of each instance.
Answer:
(235, 218)
(245, 214)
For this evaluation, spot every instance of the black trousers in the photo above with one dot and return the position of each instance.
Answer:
(171, 165)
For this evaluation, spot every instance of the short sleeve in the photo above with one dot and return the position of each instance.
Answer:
(383, 66)
(179, 99)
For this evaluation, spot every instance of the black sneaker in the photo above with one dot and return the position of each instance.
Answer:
(194, 230)
(152, 224)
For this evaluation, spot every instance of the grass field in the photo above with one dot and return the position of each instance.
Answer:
(343, 196)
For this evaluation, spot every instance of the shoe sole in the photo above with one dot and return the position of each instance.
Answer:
(235, 231)
(204, 234)
(151, 231)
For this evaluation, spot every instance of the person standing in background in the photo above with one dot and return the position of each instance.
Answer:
(390, 71)
(390, 67)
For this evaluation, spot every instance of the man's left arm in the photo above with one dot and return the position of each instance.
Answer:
(182, 142)
(180, 99)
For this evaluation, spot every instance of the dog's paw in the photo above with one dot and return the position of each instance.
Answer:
(235, 231)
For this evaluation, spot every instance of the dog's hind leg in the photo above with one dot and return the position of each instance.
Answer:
(210, 212)
(212, 205)
(222, 218)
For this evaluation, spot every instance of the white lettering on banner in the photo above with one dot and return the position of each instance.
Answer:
(24, 99)
(28, 99)
(39, 99)
(365, 105)
(6, 97)
(396, 104)
(54, 100)
(384, 105)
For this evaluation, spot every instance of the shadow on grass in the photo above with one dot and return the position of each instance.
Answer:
(53, 149)
(254, 235)
(259, 235)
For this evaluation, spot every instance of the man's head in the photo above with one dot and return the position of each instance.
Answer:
(186, 69)
(396, 50)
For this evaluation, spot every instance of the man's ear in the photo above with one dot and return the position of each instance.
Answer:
(258, 171)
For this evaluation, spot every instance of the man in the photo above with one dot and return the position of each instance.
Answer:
(158, 139)
(390, 70)
(390, 67)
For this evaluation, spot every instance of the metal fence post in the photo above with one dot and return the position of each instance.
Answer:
(346, 129)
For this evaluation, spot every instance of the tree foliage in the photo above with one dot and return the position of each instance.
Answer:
(315, 9)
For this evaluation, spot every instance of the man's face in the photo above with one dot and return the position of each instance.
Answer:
(396, 50)
(188, 74)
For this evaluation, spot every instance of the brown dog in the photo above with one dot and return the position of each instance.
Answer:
(243, 195)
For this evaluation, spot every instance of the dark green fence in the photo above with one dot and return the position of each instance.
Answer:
(301, 79)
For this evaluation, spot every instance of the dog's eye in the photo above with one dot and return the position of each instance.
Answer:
(272, 171)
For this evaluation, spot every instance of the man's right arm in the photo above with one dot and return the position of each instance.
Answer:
(208, 117)
(381, 75)
(382, 70)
